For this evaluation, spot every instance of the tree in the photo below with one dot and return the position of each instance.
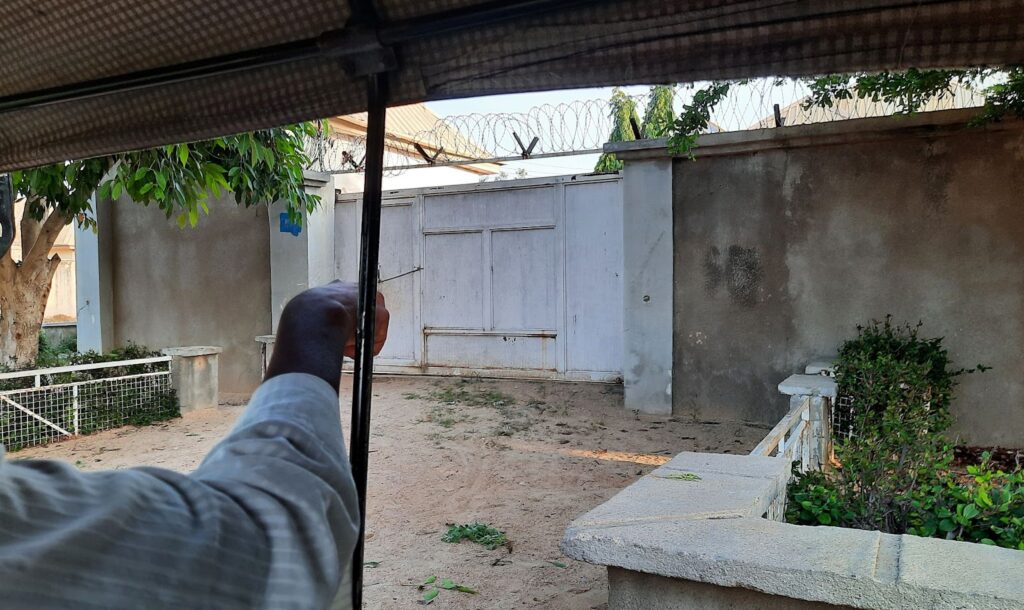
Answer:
(659, 114)
(259, 167)
(907, 90)
(623, 110)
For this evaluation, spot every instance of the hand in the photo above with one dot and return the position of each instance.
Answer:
(317, 328)
(380, 333)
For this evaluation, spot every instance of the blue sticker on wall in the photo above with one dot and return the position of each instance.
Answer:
(289, 227)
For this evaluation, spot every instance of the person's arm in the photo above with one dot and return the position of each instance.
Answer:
(268, 520)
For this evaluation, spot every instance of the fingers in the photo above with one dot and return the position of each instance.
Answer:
(382, 321)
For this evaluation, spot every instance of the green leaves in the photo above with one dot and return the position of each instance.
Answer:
(695, 118)
(432, 589)
(480, 533)
(265, 166)
(897, 474)
(623, 110)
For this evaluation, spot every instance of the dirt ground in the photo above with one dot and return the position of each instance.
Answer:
(526, 457)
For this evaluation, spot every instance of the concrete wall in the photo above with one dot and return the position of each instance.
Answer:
(784, 243)
(629, 590)
(204, 286)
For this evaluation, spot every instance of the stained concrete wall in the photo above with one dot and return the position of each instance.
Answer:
(629, 590)
(204, 286)
(784, 245)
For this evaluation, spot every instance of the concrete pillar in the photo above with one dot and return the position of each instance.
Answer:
(94, 292)
(647, 294)
(194, 375)
(301, 257)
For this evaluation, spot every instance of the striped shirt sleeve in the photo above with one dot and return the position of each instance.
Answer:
(268, 520)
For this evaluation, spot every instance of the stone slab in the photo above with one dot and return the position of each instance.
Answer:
(808, 385)
(726, 463)
(992, 577)
(723, 489)
(827, 564)
(188, 352)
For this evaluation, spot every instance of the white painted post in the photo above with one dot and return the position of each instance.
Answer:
(648, 284)
(94, 294)
(266, 352)
(301, 258)
(75, 407)
(194, 376)
(818, 390)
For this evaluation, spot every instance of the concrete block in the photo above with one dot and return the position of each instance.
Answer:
(194, 375)
(628, 590)
(828, 564)
(738, 465)
(980, 576)
(808, 385)
(820, 367)
(720, 492)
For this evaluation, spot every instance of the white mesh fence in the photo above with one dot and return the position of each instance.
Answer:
(45, 411)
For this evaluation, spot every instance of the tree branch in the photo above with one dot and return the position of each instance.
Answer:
(30, 228)
(48, 234)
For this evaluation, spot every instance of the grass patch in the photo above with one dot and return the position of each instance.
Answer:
(481, 533)
(466, 394)
(462, 394)
(446, 417)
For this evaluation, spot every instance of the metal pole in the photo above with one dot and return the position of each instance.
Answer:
(369, 247)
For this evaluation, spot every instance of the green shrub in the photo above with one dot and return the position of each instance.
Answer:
(894, 472)
(101, 406)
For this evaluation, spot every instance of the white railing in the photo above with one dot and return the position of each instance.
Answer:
(790, 437)
(803, 436)
(57, 403)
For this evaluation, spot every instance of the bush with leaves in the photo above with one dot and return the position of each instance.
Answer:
(100, 405)
(894, 472)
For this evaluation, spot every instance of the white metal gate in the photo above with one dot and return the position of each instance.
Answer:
(514, 278)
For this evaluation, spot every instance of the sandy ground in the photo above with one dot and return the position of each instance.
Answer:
(526, 457)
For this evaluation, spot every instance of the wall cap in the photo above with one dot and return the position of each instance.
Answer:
(924, 124)
(188, 352)
(808, 385)
(314, 179)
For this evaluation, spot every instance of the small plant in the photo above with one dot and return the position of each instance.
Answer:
(432, 588)
(480, 533)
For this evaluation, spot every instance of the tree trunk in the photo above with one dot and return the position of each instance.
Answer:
(24, 289)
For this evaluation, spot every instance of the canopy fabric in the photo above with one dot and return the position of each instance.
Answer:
(202, 68)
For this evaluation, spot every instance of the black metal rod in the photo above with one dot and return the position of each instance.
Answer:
(369, 250)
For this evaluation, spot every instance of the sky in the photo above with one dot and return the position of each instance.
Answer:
(745, 106)
(522, 102)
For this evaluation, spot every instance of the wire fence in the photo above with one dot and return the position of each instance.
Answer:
(54, 404)
(583, 126)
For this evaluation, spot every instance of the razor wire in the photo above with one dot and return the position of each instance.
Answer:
(583, 126)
